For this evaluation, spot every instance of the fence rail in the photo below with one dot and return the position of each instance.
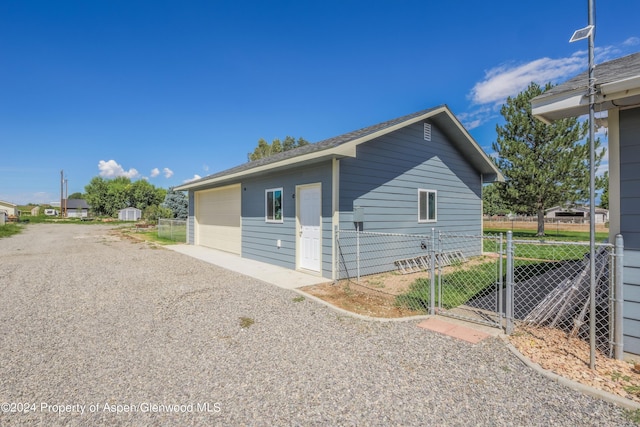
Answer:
(512, 284)
(173, 229)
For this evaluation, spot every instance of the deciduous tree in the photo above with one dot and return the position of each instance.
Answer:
(264, 149)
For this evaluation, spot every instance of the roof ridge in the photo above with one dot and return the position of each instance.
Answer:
(320, 145)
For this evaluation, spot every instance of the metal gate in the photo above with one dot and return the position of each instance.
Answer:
(469, 278)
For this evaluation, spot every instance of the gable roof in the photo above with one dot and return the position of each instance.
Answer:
(8, 204)
(617, 84)
(345, 146)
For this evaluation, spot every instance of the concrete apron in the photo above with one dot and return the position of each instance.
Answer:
(272, 274)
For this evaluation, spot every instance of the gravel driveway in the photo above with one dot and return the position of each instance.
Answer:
(134, 335)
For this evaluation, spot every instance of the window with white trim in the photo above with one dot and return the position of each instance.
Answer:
(427, 205)
(273, 205)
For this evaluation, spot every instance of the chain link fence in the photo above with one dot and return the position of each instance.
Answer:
(173, 229)
(469, 285)
(506, 283)
(552, 290)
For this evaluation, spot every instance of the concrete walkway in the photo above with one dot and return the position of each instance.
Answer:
(273, 274)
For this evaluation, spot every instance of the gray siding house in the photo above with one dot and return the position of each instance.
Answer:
(407, 175)
(617, 93)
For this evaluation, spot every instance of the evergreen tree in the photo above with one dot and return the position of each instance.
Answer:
(544, 165)
(492, 203)
(603, 184)
(177, 202)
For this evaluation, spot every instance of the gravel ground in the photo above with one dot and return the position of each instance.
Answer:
(129, 333)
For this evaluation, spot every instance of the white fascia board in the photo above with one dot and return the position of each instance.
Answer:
(624, 85)
(328, 153)
(569, 104)
(474, 144)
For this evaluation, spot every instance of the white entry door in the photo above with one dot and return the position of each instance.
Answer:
(310, 234)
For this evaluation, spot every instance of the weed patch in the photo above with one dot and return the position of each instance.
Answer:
(246, 322)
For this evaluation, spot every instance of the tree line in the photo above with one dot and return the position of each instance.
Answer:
(107, 196)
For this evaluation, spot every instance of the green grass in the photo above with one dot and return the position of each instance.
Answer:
(465, 283)
(551, 235)
(9, 229)
(549, 251)
(458, 287)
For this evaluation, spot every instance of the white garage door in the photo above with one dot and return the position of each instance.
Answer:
(218, 218)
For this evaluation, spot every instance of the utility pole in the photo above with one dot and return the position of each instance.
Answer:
(61, 193)
(66, 196)
(592, 189)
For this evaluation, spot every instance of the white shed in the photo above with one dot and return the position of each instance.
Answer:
(129, 214)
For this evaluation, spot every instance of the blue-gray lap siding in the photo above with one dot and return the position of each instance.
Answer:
(384, 180)
(630, 224)
(259, 237)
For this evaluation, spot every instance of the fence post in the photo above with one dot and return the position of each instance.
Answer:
(500, 281)
(432, 299)
(509, 296)
(618, 298)
(336, 254)
(358, 251)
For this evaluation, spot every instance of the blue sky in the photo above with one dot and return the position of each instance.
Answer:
(173, 90)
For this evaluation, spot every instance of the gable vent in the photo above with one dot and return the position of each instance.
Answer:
(427, 131)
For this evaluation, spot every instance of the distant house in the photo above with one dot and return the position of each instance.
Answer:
(8, 208)
(77, 208)
(411, 174)
(617, 91)
(576, 213)
(129, 214)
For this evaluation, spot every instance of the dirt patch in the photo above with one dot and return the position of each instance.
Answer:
(375, 294)
(365, 300)
(569, 358)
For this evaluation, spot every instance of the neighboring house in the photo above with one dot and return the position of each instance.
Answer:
(129, 214)
(576, 213)
(618, 94)
(406, 175)
(76, 208)
(8, 208)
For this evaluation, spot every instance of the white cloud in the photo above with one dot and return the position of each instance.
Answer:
(168, 173)
(155, 172)
(111, 169)
(205, 168)
(509, 80)
(503, 81)
(195, 177)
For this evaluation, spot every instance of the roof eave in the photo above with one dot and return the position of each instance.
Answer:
(560, 106)
(575, 103)
(477, 156)
(471, 149)
(305, 159)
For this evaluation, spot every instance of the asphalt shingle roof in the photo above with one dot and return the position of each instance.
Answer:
(607, 72)
(318, 146)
